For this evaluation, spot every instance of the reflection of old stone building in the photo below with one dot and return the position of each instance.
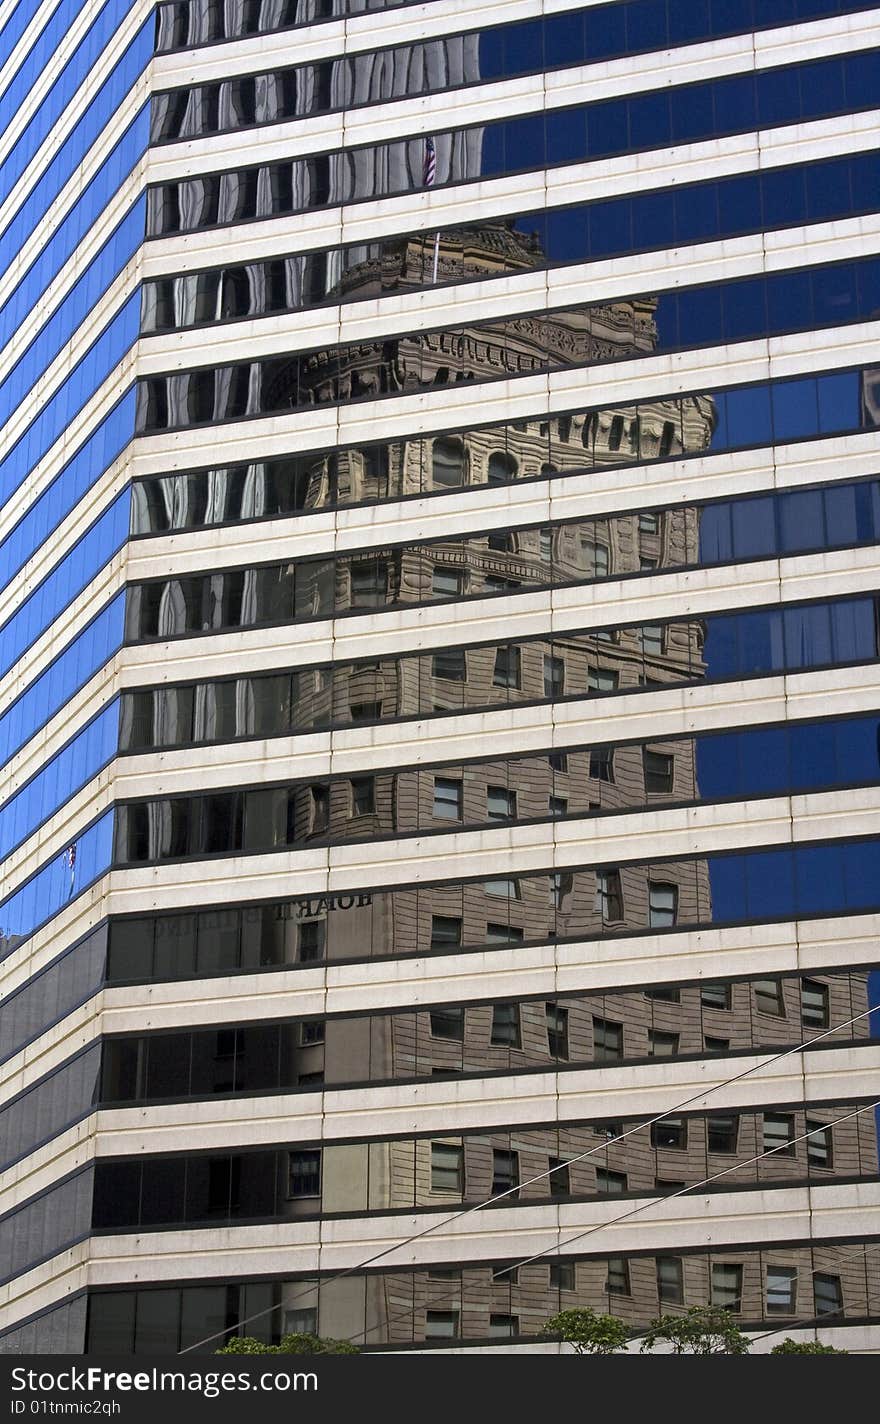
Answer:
(420, 918)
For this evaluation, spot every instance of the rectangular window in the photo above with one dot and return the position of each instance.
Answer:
(768, 997)
(664, 996)
(658, 768)
(503, 934)
(554, 676)
(363, 795)
(557, 1030)
(595, 559)
(507, 667)
(649, 522)
(613, 1182)
(607, 1041)
(602, 679)
(503, 1327)
(441, 1324)
(562, 1275)
(717, 1045)
(602, 764)
(662, 905)
(814, 1004)
(609, 899)
(320, 808)
(560, 1177)
(369, 583)
(448, 799)
(670, 1280)
(827, 1294)
(447, 582)
(726, 1287)
(448, 1022)
(505, 1171)
(722, 1133)
(502, 889)
(545, 540)
(505, 1026)
(505, 1275)
(311, 1031)
(312, 935)
(617, 1282)
(781, 1290)
(661, 1044)
(670, 1132)
(500, 803)
(445, 931)
(447, 1168)
(304, 1173)
(820, 1145)
(779, 1134)
(557, 805)
(301, 1322)
(558, 761)
(715, 996)
(451, 664)
(651, 637)
(366, 711)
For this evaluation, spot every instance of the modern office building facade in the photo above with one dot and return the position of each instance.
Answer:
(440, 550)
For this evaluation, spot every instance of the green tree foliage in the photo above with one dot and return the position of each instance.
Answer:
(805, 1347)
(289, 1345)
(702, 1330)
(589, 1333)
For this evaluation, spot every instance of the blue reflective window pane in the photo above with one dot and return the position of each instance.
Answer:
(782, 197)
(649, 121)
(823, 87)
(861, 874)
(861, 79)
(567, 234)
(646, 24)
(56, 782)
(564, 40)
(854, 630)
(813, 755)
(841, 509)
(736, 106)
(828, 189)
(794, 409)
(609, 230)
(56, 884)
(653, 217)
(721, 439)
(62, 90)
(69, 672)
(769, 886)
(66, 580)
(605, 31)
(739, 204)
(857, 750)
(817, 869)
(72, 311)
(868, 276)
(491, 47)
(718, 766)
(525, 138)
(696, 214)
(760, 642)
(607, 127)
(105, 353)
(716, 537)
(688, 22)
(693, 115)
(801, 520)
(73, 227)
(779, 96)
(834, 295)
(839, 401)
(748, 414)
(807, 636)
(727, 878)
(790, 301)
(720, 652)
(766, 758)
(745, 310)
(565, 137)
(754, 527)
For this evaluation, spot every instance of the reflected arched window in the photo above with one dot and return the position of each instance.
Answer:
(447, 463)
(502, 468)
